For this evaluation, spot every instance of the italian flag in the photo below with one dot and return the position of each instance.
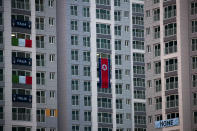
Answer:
(21, 42)
(22, 79)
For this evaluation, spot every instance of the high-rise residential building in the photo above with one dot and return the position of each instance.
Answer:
(93, 29)
(28, 65)
(170, 44)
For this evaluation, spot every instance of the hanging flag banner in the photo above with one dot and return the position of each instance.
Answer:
(167, 123)
(104, 72)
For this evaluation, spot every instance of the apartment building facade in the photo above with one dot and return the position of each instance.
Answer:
(28, 65)
(170, 58)
(93, 29)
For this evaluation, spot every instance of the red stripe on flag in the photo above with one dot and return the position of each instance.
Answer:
(28, 43)
(28, 80)
(104, 73)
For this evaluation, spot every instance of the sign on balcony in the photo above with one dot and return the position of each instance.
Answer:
(167, 123)
(22, 61)
(22, 98)
(20, 23)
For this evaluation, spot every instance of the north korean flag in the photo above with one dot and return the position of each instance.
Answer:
(104, 72)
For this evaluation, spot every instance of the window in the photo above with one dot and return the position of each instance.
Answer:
(1, 37)
(51, 57)
(103, 29)
(75, 100)
(117, 44)
(103, 2)
(39, 5)
(21, 4)
(52, 75)
(118, 74)
(156, 13)
(103, 43)
(87, 100)
(157, 32)
(148, 48)
(86, 70)
(140, 119)
(74, 40)
(139, 94)
(117, 15)
(74, 55)
(87, 86)
(74, 25)
(39, 23)
(127, 57)
(86, 11)
(73, 9)
(156, 1)
(139, 107)
(194, 8)
(172, 115)
(18, 112)
(139, 70)
(157, 50)
(1, 95)
(39, 41)
(138, 57)
(40, 97)
(148, 31)
(170, 29)
(116, 2)
(117, 30)
(157, 85)
(172, 101)
(75, 127)
(103, 14)
(40, 114)
(194, 80)
(150, 119)
(119, 118)
(171, 47)
(149, 101)
(87, 116)
(149, 83)
(118, 88)
(158, 103)
(169, 11)
(148, 66)
(40, 78)
(126, 42)
(118, 60)
(104, 103)
(52, 112)
(40, 60)
(119, 104)
(147, 13)
(75, 70)
(139, 33)
(158, 118)
(51, 21)
(52, 94)
(139, 82)
(87, 128)
(138, 8)
(52, 39)
(75, 115)
(86, 26)
(51, 3)
(86, 56)
(75, 85)
(172, 82)
(157, 67)
(194, 96)
(86, 1)
(126, 14)
(138, 20)
(171, 65)
(86, 41)
(104, 117)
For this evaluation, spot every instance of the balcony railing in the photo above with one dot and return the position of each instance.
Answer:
(22, 24)
(104, 104)
(171, 67)
(22, 61)
(40, 118)
(103, 119)
(169, 14)
(172, 85)
(22, 98)
(158, 106)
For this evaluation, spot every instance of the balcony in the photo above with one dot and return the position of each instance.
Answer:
(172, 104)
(104, 104)
(170, 86)
(102, 119)
(22, 98)
(22, 61)
(21, 42)
(27, 80)
(21, 24)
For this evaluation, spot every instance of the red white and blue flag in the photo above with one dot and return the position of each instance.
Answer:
(104, 73)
